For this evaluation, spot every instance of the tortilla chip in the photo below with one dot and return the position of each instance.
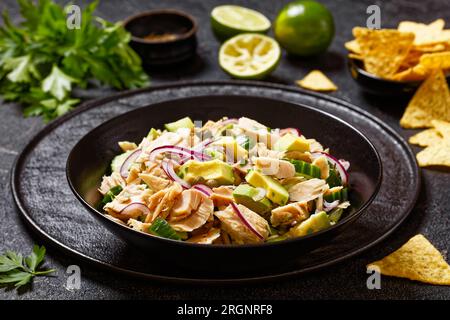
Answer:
(426, 138)
(430, 48)
(317, 81)
(431, 101)
(415, 73)
(353, 46)
(417, 260)
(438, 60)
(383, 50)
(355, 56)
(435, 155)
(424, 34)
(443, 128)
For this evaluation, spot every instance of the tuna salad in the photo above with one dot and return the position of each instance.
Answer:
(231, 181)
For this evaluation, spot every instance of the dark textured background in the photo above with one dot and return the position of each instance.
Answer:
(344, 281)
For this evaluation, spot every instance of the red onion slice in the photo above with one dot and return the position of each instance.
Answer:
(345, 164)
(339, 167)
(328, 206)
(293, 131)
(199, 148)
(167, 166)
(124, 168)
(204, 189)
(136, 206)
(245, 221)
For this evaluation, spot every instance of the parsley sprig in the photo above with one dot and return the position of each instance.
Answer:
(42, 60)
(18, 271)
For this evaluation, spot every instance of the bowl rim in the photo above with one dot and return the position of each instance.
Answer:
(174, 12)
(349, 219)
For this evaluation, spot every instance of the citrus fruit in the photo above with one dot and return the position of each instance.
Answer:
(304, 28)
(228, 21)
(249, 56)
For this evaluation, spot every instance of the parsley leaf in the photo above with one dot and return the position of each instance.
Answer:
(14, 269)
(42, 60)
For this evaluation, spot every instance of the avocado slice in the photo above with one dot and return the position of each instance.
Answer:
(289, 142)
(275, 191)
(232, 148)
(245, 194)
(182, 123)
(217, 170)
(316, 222)
(152, 134)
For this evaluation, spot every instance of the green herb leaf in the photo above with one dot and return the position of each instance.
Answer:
(41, 60)
(14, 269)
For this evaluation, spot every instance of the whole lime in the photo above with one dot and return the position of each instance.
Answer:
(304, 28)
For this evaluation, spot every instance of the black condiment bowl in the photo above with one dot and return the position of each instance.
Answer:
(163, 51)
(377, 85)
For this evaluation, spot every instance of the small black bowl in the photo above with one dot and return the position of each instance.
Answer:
(90, 159)
(160, 50)
(379, 86)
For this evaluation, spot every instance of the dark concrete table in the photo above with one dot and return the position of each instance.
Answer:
(346, 280)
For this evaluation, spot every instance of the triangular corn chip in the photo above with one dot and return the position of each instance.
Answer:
(437, 60)
(317, 81)
(443, 128)
(431, 101)
(424, 34)
(426, 138)
(415, 260)
(436, 155)
(383, 50)
(353, 46)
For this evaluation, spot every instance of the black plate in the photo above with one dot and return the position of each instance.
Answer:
(48, 205)
(91, 157)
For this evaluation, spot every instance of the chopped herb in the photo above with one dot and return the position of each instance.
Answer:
(18, 271)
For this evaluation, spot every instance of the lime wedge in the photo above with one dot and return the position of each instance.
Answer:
(249, 56)
(228, 21)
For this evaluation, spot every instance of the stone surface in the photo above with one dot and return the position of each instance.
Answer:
(346, 280)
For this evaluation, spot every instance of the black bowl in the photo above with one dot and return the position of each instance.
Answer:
(379, 86)
(162, 51)
(91, 156)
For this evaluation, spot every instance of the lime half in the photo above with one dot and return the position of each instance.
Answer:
(249, 56)
(228, 21)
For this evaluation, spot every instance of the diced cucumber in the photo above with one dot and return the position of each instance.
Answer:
(161, 228)
(335, 215)
(306, 169)
(118, 161)
(338, 194)
(111, 194)
(182, 123)
(334, 179)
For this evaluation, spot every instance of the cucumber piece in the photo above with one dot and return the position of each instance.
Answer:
(306, 169)
(335, 215)
(111, 194)
(341, 195)
(334, 180)
(162, 228)
(118, 160)
(182, 123)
